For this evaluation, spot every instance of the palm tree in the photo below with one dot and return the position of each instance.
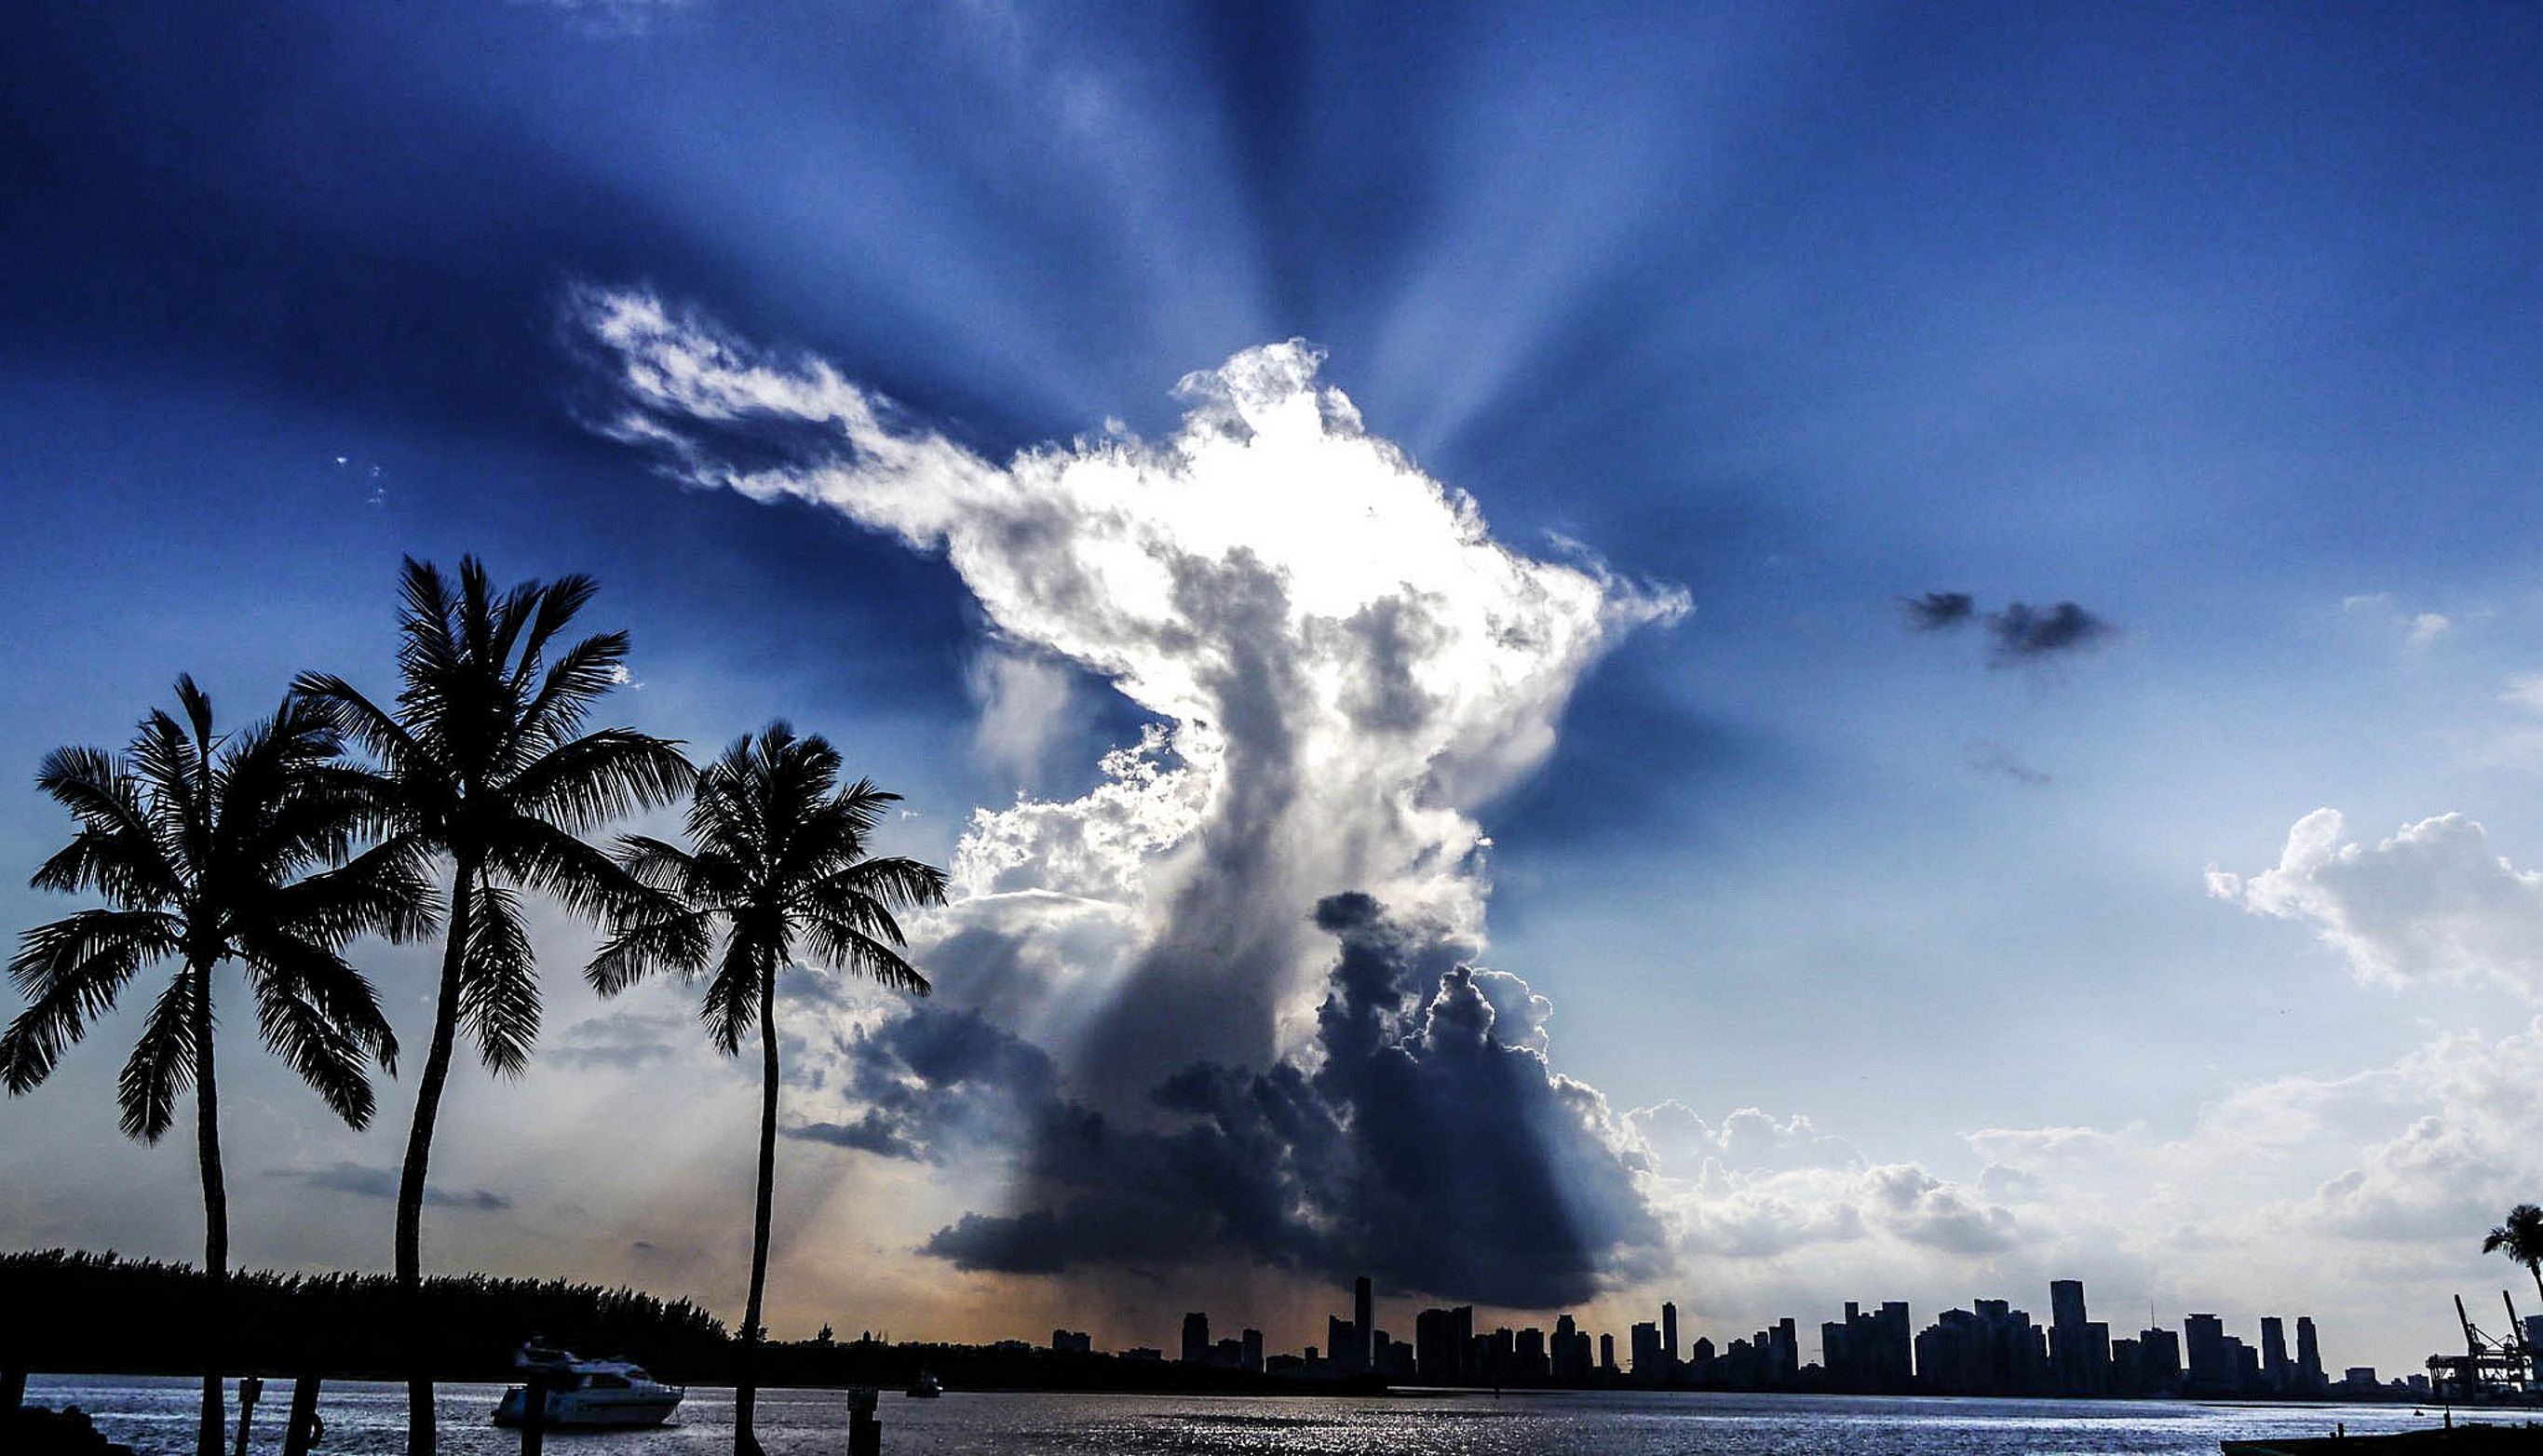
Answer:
(486, 761)
(2520, 1237)
(210, 850)
(780, 860)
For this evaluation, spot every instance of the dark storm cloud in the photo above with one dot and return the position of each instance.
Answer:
(1429, 1146)
(937, 1082)
(2024, 633)
(365, 1182)
(1936, 610)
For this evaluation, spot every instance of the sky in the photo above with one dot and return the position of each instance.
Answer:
(1567, 654)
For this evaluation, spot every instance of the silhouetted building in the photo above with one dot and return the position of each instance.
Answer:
(1339, 1341)
(2158, 1362)
(1441, 1345)
(1646, 1338)
(1196, 1339)
(1363, 1326)
(1987, 1349)
(2277, 1372)
(2310, 1380)
(1607, 1355)
(1529, 1365)
(2079, 1351)
(1870, 1354)
(1668, 1336)
(1249, 1355)
(2210, 1363)
(1072, 1342)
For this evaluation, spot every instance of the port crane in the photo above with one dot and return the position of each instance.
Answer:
(2489, 1367)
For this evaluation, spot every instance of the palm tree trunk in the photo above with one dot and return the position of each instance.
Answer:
(746, 1389)
(419, 1433)
(216, 1212)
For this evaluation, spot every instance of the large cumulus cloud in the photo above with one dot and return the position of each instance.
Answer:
(2432, 903)
(1340, 663)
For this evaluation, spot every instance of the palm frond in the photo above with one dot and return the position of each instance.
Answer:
(321, 1017)
(162, 1066)
(499, 992)
(845, 947)
(598, 777)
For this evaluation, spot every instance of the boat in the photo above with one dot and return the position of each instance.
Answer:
(588, 1395)
(926, 1387)
(2467, 1440)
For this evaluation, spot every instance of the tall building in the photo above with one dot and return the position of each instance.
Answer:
(1668, 1334)
(1607, 1355)
(1363, 1326)
(1647, 1350)
(2158, 1362)
(2065, 1302)
(1869, 1354)
(2310, 1378)
(2210, 1363)
(1250, 1351)
(2079, 1351)
(1196, 1347)
(2277, 1372)
(1339, 1344)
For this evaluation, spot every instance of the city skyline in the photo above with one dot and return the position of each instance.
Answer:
(1989, 1349)
(1572, 658)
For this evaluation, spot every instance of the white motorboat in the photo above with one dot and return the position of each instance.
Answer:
(590, 1395)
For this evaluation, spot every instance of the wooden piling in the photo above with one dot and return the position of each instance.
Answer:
(534, 1411)
(250, 1387)
(302, 1431)
(865, 1433)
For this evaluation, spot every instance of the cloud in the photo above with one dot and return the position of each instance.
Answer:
(2023, 632)
(1996, 760)
(1024, 705)
(2433, 903)
(1423, 1141)
(624, 1038)
(1936, 610)
(1341, 665)
(365, 1182)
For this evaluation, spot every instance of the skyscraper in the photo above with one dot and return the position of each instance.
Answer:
(1668, 1334)
(1363, 1326)
(1196, 1347)
(2065, 1302)
(2275, 1371)
(2309, 1373)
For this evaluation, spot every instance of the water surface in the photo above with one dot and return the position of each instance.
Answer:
(155, 1415)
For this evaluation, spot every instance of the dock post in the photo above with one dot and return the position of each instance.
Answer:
(301, 1432)
(865, 1433)
(250, 1387)
(534, 1411)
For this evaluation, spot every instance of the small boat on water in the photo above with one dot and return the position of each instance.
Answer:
(926, 1387)
(588, 1395)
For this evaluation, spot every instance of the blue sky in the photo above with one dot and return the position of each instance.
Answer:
(2213, 321)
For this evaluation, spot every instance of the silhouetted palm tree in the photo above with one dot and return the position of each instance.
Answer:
(210, 850)
(2520, 1237)
(485, 760)
(779, 859)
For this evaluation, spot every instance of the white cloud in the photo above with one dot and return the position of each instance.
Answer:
(1342, 659)
(2431, 903)
(1025, 703)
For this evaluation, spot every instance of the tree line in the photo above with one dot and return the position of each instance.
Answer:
(271, 851)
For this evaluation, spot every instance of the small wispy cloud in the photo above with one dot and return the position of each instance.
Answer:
(2027, 634)
(365, 1182)
(1998, 761)
(1936, 610)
